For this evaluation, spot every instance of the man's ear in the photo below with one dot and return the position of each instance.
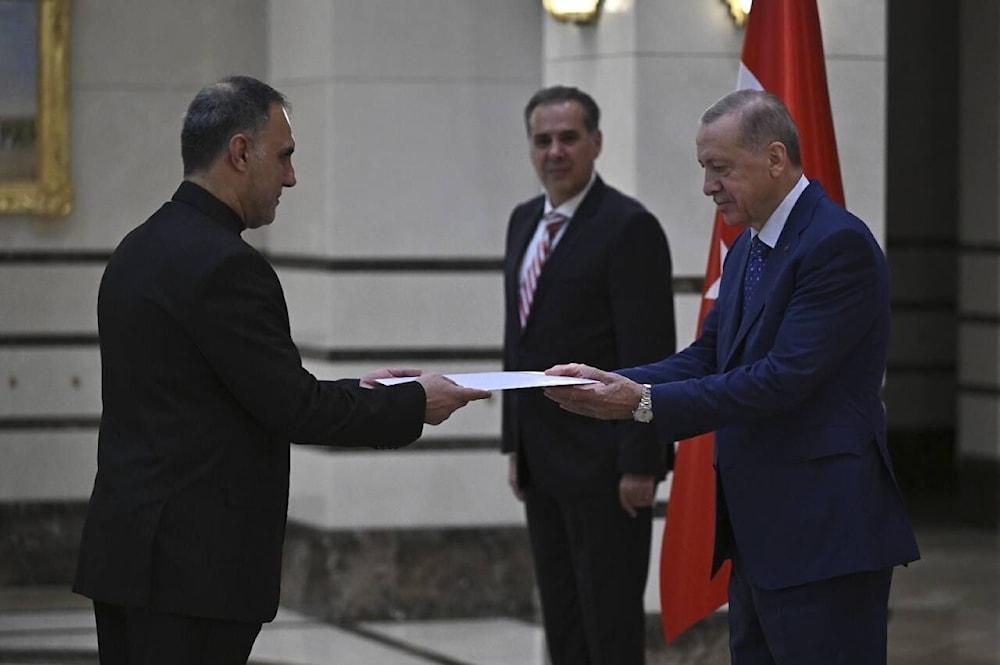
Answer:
(239, 152)
(777, 158)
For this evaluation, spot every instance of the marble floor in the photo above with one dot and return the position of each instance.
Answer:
(945, 611)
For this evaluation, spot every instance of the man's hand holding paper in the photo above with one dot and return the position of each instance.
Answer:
(613, 397)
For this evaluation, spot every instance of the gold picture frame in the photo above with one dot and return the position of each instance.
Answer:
(47, 190)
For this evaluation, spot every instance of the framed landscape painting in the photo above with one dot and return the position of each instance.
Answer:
(34, 135)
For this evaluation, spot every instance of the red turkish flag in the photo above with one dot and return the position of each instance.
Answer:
(783, 54)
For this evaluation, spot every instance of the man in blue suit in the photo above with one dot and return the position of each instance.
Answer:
(787, 372)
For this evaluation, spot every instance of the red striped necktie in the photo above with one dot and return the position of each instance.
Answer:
(553, 221)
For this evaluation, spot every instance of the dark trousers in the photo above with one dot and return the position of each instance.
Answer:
(839, 621)
(591, 562)
(136, 636)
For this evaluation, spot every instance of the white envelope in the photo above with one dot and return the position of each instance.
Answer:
(501, 380)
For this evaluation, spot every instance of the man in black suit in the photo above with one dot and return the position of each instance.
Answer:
(203, 389)
(597, 285)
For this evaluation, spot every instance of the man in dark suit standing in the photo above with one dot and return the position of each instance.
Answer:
(203, 389)
(787, 372)
(587, 275)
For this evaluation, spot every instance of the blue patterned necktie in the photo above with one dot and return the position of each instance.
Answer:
(755, 266)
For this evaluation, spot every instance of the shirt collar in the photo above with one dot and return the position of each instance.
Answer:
(775, 224)
(568, 207)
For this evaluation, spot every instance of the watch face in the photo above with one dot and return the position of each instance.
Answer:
(643, 415)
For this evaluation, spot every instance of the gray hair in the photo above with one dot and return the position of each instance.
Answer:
(236, 104)
(762, 118)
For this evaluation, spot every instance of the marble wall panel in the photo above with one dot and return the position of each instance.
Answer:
(396, 309)
(613, 35)
(979, 362)
(686, 29)
(855, 28)
(300, 44)
(46, 298)
(674, 93)
(920, 400)
(53, 465)
(45, 382)
(401, 489)
(922, 274)
(979, 426)
(857, 101)
(310, 311)
(686, 309)
(979, 284)
(182, 44)
(922, 337)
(469, 40)
(427, 169)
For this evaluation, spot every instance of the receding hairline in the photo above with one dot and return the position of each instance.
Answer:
(761, 118)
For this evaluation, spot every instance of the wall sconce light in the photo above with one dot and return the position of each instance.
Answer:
(573, 11)
(739, 10)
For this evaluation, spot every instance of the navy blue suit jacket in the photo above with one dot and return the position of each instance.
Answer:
(792, 390)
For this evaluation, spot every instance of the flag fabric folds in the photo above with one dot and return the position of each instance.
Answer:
(783, 54)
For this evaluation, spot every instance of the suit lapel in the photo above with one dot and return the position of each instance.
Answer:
(730, 294)
(798, 220)
(561, 255)
(523, 234)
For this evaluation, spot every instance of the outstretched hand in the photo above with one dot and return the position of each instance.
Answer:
(614, 397)
(444, 397)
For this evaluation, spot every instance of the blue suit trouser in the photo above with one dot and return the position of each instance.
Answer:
(837, 621)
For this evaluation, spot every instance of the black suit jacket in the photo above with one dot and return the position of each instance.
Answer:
(604, 298)
(203, 389)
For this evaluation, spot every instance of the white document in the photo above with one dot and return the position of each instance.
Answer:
(501, 380)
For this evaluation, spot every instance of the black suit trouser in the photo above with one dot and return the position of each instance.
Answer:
(137, 636)
(591, 563)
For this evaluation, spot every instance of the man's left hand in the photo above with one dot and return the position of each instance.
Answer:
(635, 491)
(614, 398)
